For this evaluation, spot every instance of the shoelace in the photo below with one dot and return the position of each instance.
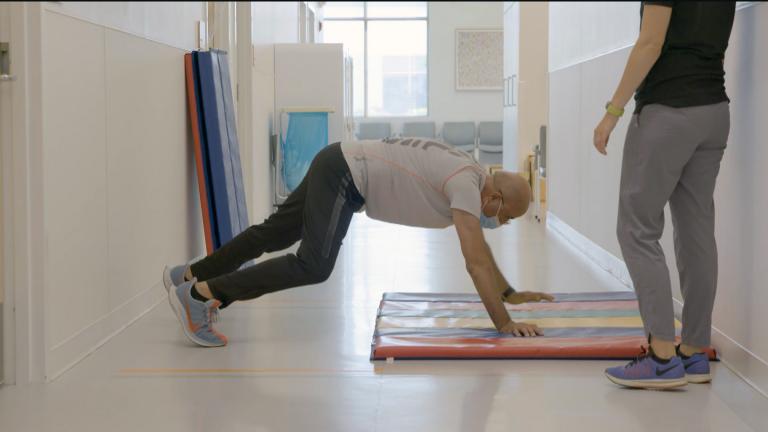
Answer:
(644, 353)
(213, 314)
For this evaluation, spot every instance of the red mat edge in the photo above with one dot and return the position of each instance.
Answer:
(193, 118)
(627, 349)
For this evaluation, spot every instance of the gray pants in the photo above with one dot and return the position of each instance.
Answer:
(673, 155)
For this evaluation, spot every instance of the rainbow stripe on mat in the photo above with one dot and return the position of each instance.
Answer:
(604, 325)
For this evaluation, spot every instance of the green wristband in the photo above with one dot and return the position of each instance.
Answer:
(612, 110)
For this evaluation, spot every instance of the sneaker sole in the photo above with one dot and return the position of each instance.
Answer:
(698, 378)
(181, 314)
(649, 384)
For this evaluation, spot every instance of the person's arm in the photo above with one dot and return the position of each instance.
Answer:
(646, 51)
(517, 297)
(480, 266)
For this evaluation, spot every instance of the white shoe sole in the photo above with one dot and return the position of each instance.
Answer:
(649, 384)
(698, 378)
(181, 314)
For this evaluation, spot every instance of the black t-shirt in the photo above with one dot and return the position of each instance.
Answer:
(689, 71)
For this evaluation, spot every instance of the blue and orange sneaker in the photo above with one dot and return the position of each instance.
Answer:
(648, 373)
(697, 368)
(174, 276)
(196, 317)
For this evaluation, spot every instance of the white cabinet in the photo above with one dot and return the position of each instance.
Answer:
(511, 86)
(326, 88)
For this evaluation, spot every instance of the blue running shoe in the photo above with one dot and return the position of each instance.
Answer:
(196, 317)
(697, 368)
(645, 372)
(174, 276)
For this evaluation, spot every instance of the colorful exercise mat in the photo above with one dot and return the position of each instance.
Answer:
(217, 151)
(601, 325)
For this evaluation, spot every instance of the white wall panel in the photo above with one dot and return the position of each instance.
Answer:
(152, 217)
(75, 176)
(120, 193)
(563, 147)
(742, 185)
(172, 23)
(585, 30)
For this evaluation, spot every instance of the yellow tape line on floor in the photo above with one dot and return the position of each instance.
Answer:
(241, 371)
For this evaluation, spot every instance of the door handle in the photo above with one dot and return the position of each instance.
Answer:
(506, 93)
(512, 90)
(5, 63)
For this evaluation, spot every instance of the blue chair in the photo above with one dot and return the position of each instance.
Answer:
(372, 131)
(490, 143)
(461, 135)
(419, 129)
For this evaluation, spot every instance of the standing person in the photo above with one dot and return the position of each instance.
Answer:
(416, 182)
(672, 153)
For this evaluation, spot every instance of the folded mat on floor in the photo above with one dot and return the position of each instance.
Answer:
(604, 325)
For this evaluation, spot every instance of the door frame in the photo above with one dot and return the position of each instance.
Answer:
(22, 206)
(5, 127)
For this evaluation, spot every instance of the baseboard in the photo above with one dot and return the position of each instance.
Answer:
(604, 259)
(74, 349)
(739, 359)
(743, 362)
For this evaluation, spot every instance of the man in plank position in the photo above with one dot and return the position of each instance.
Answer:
(415, 182)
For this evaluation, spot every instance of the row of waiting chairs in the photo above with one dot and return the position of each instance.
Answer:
(483, 142)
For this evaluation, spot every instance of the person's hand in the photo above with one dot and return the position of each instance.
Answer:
(528, 297)
(521, 329)
(603, 132)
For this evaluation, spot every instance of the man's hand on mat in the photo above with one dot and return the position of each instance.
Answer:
(528, 297)
(521, 329)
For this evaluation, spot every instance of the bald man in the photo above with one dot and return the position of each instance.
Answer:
(408, 181)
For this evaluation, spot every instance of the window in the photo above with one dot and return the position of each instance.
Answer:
(388, 45)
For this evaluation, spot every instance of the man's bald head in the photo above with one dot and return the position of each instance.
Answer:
(515, 191)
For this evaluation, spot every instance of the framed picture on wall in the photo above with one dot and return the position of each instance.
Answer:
(479, 58)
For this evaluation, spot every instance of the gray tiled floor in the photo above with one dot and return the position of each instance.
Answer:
(298, 361)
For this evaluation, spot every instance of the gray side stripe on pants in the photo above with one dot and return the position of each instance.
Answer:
(334, 222)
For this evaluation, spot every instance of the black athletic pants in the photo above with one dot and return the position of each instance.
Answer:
(318, 213)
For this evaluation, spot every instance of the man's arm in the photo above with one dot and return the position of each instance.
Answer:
(482, 269)
(518, 297)
(501, 281)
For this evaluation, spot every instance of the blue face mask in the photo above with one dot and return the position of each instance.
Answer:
(490, 222)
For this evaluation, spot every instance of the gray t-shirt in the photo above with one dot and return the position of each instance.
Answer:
(414, 181)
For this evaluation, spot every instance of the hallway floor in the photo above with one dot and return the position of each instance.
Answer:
(298, 360)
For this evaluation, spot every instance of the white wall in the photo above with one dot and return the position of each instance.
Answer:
(171, 23)
(583, 185)
(584, 72)
(585, 30)
(445, 102)
(107, 176)
(119, 194)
